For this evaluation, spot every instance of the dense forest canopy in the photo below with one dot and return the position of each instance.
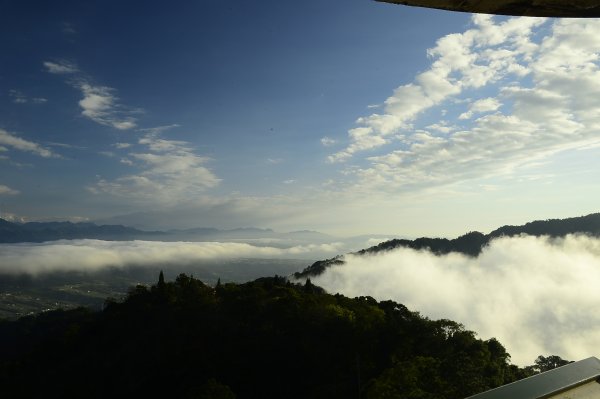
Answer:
(266, 338)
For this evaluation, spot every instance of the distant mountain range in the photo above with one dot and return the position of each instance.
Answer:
(472, 243)
(52, 231)
(248, 234)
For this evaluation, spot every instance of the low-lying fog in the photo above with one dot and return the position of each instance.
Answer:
(37, 277)
(89, 255)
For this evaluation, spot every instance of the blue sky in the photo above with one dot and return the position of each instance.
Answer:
(347, 117)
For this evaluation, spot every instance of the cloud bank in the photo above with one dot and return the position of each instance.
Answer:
(538, 296)
(91, 255)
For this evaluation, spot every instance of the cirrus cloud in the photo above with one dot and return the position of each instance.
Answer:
(99, 103)
(61, 67)
(10, 140)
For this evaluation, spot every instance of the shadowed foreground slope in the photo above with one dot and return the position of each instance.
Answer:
(264, 339)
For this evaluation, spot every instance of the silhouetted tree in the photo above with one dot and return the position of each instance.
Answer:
(161, 280)
(543, 363)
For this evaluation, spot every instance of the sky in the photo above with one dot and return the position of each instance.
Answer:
(343, 116)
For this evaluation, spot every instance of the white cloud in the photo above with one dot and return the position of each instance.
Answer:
(159, 129)
(160, 145)
(5, 190)
(536, 295)
(171, 172)
(100, 104)
(481, 106)
(442, 127)
(121, 146)
(542, 97)
(468, 60)
(17, 96)
(327, 141)
(62, 67)
(362, 139)
(274, 161)
(10, 140)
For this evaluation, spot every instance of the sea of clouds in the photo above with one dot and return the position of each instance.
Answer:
(92, 255)
(537, 295)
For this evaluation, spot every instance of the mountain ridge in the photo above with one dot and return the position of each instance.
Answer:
(51, 231)
(473, 242)
(11, 232)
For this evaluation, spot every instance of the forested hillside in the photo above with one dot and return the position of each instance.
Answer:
(264, 339)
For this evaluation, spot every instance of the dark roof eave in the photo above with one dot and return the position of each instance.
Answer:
(528, 8)
(547, 384)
